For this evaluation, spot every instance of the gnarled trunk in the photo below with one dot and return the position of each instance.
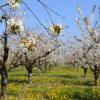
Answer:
(85, 72)
(29, 70)
(96, 76)
(4, 72)
(4, 79)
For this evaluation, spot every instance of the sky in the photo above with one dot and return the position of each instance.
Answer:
(66, 8)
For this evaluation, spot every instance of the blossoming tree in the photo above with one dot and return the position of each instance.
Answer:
(15, 28)
(90, 42)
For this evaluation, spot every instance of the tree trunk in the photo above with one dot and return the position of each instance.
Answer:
(85, 72)
(77, 69)
(45, 67)
(96, 75)
(4, 72)
(29, 69)
(49, 67)
(4, 79)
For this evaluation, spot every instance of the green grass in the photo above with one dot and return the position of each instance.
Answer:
(61, 83)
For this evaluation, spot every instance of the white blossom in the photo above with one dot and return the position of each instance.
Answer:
(15, 25)
(14, 4)
(56, 29)
(27, 42)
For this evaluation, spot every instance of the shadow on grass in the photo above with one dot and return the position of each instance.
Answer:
(75, 80)
(64, 76)
(17, 75)
(89, 83)
(17, 81)
(11, 93)
(22, 75)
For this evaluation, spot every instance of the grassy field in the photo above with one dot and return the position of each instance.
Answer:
(61, 83)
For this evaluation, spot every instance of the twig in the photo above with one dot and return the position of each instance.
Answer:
(35, 16)
(49, 8)
(44, 6)
(4, 5)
